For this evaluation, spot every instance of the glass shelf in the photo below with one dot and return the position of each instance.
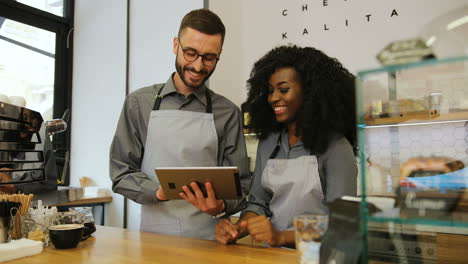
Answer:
(421, 221)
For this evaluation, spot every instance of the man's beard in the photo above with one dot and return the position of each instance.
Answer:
(181, 71)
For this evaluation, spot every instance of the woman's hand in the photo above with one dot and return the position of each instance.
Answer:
(261, 230)
(226, 232)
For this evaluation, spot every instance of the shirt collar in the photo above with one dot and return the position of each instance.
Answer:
(170, 88)
(285, 140)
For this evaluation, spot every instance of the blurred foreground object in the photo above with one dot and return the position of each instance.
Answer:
(19, 249)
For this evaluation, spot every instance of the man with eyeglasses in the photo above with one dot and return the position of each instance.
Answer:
(180, 123)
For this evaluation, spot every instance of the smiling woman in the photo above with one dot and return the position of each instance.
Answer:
(302, 109)
(285, 94)
(327, 89)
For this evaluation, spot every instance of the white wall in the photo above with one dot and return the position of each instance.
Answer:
(99, 71)
(255, 27)
(98, 92)
(228, 78)
(153, 25)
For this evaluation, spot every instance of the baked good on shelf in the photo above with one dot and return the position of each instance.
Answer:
(435, 165)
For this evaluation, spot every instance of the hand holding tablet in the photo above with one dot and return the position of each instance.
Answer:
(224, 180)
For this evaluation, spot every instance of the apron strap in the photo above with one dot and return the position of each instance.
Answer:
(157, 101)
(278, 147)
(209, 107)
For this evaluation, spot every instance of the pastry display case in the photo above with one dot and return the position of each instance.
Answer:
(413, 155)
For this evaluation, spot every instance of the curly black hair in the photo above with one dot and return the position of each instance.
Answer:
(329, 97)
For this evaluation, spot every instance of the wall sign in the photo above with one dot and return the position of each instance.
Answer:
(346, 21)
(352, 31)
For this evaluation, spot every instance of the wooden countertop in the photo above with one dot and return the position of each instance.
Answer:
(117, 245)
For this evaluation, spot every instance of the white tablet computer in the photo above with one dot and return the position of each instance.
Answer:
(225, 180)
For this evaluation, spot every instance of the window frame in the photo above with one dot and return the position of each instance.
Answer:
(63, 28)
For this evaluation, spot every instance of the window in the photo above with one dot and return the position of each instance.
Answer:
(36, 60)
(28, 65)
(52, 6)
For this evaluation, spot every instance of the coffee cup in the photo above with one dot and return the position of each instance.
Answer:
(66, 236)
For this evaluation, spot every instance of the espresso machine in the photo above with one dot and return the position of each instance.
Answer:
(21, 151)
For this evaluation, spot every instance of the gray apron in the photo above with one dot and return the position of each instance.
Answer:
(296, 188)
(178, 139)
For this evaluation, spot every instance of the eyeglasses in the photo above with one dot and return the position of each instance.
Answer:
(192, 55)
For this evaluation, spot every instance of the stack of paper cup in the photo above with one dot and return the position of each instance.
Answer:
(14, 100)
(4, 99)
(18, 101)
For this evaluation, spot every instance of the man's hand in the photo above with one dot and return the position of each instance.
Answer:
(5, 177)
(226, 232)
(208, 205)
(160, 195)
(261, 230)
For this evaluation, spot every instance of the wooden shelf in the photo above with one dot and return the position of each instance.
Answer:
(416, 117)
(99, 200)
